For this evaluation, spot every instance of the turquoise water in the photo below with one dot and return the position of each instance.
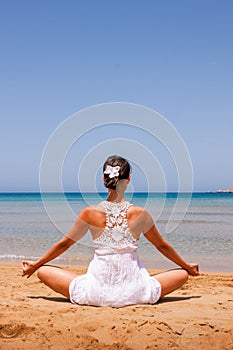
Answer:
(204, 235)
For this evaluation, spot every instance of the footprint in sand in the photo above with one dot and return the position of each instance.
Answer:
(13, 330)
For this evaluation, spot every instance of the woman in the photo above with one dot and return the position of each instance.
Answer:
(115, 276)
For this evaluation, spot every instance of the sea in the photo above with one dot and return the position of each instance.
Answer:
(202, 231)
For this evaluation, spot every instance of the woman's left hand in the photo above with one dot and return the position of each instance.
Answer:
(28, 268)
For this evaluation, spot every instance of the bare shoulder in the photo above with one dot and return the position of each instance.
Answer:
(135, 211)
(139, 220)
(93, 215)
(90, 210)
(85, 213)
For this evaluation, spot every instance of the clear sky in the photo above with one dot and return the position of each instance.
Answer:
(58, 57)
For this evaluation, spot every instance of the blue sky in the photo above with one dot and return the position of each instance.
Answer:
(58, 57)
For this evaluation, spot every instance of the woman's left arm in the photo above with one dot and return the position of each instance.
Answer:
(29, 267)
(78, 230)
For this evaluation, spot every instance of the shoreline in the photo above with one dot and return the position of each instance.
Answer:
(84, 266)
(197, 316)
(206, 265)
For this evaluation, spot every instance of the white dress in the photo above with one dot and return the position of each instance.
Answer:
(115, 276)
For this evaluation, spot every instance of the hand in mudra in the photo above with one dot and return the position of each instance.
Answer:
(193, 270)
(28, 268)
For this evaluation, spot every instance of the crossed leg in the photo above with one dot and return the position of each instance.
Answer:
(59, 280)
(171, 280)
(56, 278)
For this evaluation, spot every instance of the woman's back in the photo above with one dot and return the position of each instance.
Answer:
(115, 275)
(116, 234)
(96, 216)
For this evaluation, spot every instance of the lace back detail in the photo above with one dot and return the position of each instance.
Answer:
(116, 234)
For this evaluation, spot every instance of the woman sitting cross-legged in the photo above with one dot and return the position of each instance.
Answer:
(116, 276)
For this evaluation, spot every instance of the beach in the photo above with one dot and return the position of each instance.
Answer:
(198, 316)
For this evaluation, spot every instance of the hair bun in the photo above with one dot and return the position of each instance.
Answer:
(115, 168)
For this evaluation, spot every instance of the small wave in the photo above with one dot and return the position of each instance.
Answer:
(17, 257)
(190, 221)
(63, 260)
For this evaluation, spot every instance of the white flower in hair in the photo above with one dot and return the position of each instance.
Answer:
(112, 171)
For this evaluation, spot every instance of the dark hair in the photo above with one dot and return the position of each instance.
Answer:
(124, 171)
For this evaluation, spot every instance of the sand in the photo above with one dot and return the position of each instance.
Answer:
(198, 316)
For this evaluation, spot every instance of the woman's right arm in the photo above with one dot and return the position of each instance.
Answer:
(153, 235)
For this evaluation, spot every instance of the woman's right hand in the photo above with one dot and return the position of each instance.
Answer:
(193, 269)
